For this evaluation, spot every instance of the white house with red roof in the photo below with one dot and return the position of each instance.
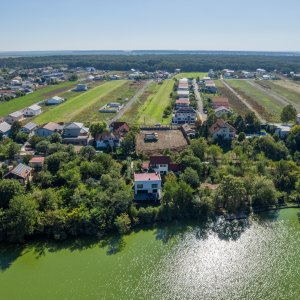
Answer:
(147, 186)
(221, 129)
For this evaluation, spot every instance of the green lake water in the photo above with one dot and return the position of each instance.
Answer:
(256, 259)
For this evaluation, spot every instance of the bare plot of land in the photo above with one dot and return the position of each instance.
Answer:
(167, 139)
(236, 104)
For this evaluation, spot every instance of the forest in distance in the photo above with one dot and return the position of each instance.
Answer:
(169, 62)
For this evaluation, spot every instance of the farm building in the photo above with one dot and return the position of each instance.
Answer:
(81, 87)
(13, 117)
(32, 110)
(54, 100)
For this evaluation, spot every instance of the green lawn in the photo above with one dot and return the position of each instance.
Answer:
(39, 95)
(78, 107)
(152, 110)
(191, 75)
(272, 107)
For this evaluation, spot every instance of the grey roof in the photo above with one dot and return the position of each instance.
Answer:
(4, 127)
(34, 107)
(16, 114)
(30, 126)
(73, 125)
(21, 170)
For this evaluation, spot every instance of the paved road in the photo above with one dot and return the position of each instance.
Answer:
(262, 120)
(199, 101)
(130, 102)
(277, 97)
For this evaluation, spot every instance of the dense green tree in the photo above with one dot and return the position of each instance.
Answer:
(123, 223)
(264, 192)
(21, 217)
(288, 113)
(199, 148)
(232, 195)
(190, 176)
(97, 128)
(8, 189)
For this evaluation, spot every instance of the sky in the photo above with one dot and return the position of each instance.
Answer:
(258, 25)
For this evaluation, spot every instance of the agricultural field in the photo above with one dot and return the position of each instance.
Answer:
(289, 91)
(234, 102)
(133, 113)
(265, 105)
(167, 139)
(289, 84)
(191, 75)
(39, 95)
(152, 110)
(82, 107)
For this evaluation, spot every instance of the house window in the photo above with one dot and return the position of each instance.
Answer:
(139, 186)
(155, 186)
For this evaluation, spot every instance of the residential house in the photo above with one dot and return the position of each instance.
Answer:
(185, 115)
(15, 116)
(121, 127)
(222, 110)
(4, 129)
(147, 186)
(48, 129)
(29, 128)
(37, 162)
(32, 110)
(162, 164)
(182, 102)
(110, 139)
(282, 130)
(221, 129)
(220, 101)
(54, 100)
(183, 94)
(21, 172)
(75, 133)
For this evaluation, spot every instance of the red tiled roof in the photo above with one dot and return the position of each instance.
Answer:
(146, 176)
(218, 125)
(145, 165)
(174, 167)
(160, 159)
(182, 101)
(37, 159)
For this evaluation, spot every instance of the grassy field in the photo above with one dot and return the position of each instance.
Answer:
(191, 75)
(134, 112)
(263, 104)
(80, 107)
(234, 102)
(152, 110)
(39, 95)
(283, 88)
